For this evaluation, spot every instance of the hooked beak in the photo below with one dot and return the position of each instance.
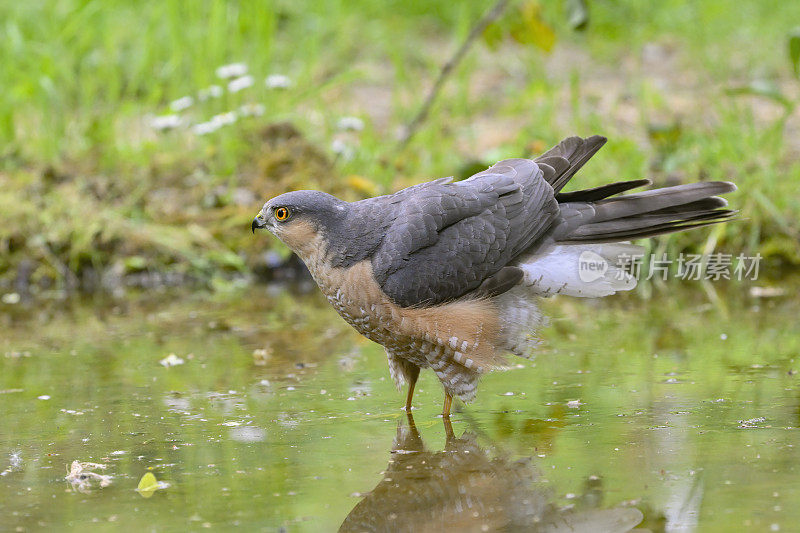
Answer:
(257, 224)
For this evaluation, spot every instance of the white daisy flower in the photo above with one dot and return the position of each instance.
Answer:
(232, 70)
(165, 122)
(225, 119)
(350, 124)
(240, 83)
(181, 103)
(278, 81)
(204, 128)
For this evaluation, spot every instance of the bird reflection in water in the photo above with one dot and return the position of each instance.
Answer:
(463, 488)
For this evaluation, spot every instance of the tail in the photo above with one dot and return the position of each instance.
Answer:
(601, 215)
(584, 251)
(584, 254)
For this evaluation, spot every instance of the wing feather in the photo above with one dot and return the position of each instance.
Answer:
(448, 238)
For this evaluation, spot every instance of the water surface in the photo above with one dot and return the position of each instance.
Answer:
(680, 411)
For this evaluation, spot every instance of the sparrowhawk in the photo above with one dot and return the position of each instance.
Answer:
(445, 275)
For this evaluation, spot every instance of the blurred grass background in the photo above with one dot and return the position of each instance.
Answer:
(93, 191)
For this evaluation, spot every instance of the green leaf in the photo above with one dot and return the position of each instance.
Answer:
(577, 14)
(794, 50)
(148, 485)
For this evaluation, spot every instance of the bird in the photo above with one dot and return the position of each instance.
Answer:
(447, 274)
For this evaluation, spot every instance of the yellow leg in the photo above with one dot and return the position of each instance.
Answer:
(448, 400)
(448, 429)
(412, 380)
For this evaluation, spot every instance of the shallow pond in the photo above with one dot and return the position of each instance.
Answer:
(677, 412)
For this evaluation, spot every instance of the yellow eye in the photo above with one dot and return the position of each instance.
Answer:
(281, 214)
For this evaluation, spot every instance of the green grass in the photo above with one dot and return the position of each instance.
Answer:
(87, 185)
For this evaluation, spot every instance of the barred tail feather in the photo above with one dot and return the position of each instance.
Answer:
(643, 214)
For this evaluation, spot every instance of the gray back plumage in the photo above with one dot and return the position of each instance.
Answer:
(445, 239)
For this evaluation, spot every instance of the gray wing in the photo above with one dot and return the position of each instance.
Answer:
(448, 239)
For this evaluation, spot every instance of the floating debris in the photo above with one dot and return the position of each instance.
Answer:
(277, 81)
(15, 462)
(82, 479)
(165, 122)
(751, 422)
(15, 458)
(350, 124)
(232, 70)
(171, 360)
(43, 397)
(262, 356)
(240, 83)
(181, 103)
(148, 485)
(574, 404)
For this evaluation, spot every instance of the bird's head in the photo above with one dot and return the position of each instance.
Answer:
(301, 218)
